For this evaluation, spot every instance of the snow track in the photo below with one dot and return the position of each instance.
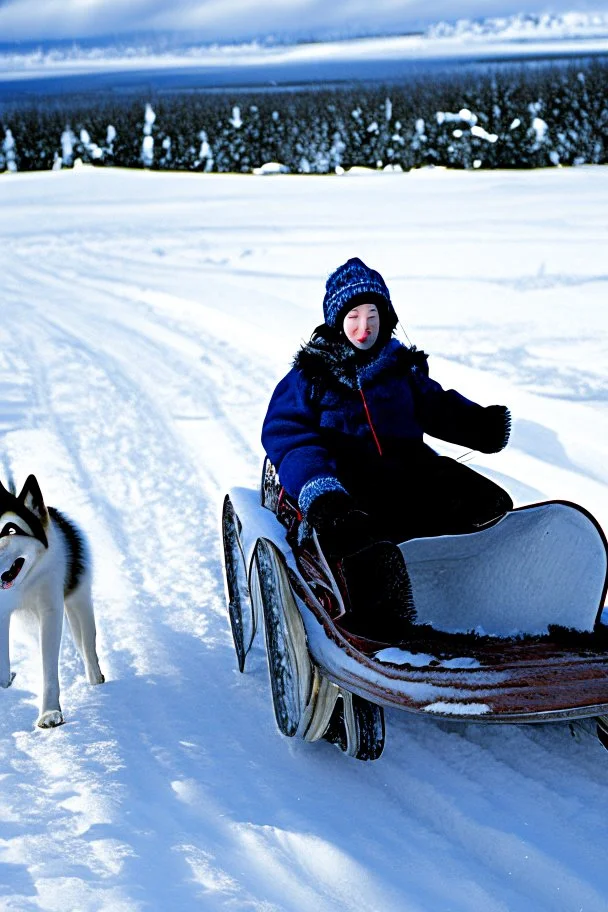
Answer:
(144, 322)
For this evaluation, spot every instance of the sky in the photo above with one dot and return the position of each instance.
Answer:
(226, 20)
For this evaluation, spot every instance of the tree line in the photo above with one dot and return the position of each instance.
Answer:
(509, 117)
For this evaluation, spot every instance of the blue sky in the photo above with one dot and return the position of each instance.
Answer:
(222, 20)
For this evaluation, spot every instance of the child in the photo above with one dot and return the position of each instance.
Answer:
(344, 429)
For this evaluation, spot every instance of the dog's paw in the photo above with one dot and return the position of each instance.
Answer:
(96, 677)
(8, 681)
(50, 719)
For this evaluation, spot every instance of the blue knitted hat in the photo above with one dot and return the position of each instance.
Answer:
(356, 280)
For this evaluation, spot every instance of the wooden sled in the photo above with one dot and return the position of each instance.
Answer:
(508, 623)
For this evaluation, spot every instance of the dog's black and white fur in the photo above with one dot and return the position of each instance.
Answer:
(44, 567)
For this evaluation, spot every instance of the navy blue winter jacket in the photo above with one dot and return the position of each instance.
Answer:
(340, 413)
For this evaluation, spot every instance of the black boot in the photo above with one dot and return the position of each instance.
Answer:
(380, 599)
(380, 593)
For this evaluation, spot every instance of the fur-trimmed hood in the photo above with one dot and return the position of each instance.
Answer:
(334, 361)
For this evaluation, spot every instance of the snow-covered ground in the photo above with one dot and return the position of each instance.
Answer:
(145, 319)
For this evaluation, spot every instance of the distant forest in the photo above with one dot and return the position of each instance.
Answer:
(516, 117)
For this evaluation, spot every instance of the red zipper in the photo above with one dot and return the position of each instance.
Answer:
(369, 421)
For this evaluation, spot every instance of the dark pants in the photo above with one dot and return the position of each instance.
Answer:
(440, 496)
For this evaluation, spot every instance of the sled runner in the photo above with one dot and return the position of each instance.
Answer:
(507, 623)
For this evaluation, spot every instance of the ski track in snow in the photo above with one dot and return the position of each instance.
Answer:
(138, 347)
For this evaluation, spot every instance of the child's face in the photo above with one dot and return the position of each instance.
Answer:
(362, 325)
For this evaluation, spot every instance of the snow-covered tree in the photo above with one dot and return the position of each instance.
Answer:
(8, 159)
(108, 146)
(419, 142)
(68, 141)
(91, 151)
(539, 138)
(147, 146)
(336, 152)
(205, 154)
(240, 154)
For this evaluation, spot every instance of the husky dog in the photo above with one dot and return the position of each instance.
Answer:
(43, 566)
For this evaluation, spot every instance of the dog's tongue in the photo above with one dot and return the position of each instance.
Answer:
(9, 576)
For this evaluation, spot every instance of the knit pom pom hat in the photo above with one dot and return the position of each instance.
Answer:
(353, 283)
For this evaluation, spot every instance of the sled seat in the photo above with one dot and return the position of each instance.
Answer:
(539, 567)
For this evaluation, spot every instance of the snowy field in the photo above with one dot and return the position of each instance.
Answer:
(145, 319)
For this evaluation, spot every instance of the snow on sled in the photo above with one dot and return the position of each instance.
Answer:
(507, 623)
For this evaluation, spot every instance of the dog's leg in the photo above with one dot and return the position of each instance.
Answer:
(6, 675)
(51, 623)
(79, 609)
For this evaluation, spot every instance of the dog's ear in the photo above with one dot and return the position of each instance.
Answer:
(31, 498)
